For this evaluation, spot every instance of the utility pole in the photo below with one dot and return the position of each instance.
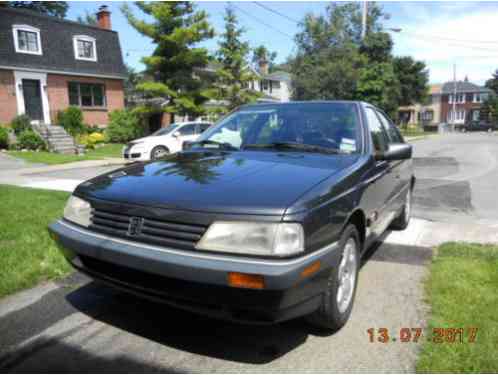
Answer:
(364, 20)
(454, 96)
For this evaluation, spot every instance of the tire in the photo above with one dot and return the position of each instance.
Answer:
(332, 314)
(158, 152)
(402, 221)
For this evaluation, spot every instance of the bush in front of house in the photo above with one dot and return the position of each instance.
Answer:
(4, 137)
(29, 140)
(124, 125)
(90, 140)
(20, 123)
(71, 119)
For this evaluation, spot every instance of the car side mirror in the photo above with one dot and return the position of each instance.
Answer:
(396, 151)
(176, 134)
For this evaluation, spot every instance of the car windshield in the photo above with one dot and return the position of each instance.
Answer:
(165, 131)
(314, 127)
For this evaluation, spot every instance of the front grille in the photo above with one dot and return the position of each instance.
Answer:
(153, 231)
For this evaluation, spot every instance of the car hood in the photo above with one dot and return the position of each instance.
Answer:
(246, 182)
(144, 139)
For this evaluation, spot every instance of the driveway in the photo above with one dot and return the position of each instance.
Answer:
(76, 325)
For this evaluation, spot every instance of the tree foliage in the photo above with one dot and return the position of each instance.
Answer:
(333, 62)
(262, 54)
(413, 77)
(232, 85)
(87, 19)
(176, 29)
(492, 83)
(51, 8)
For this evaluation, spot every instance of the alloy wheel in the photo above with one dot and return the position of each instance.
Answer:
(347, 275)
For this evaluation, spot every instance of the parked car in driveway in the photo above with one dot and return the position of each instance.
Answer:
(263, 219)
(164, 141)
(474, 126)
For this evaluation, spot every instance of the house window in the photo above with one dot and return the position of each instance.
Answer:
(460, 98)
(85, 48)
(477, 97)
(475, 115)
(27, 39)
(428, 115)
(87, 94)
(460, 116)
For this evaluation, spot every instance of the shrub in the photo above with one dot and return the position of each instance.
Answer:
(71, 120)
(124, 126)
(28, 139)
(20, 123)
(97, 137)
(4, 138)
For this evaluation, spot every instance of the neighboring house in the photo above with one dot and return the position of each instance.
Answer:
(439, 106)
(428, 113)
(274, 87)
(467, 102)
(47, 64)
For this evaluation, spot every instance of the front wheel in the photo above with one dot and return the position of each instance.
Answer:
(402, 221)
(337, 301)
(158, 152)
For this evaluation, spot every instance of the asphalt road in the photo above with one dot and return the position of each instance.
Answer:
(76, 325)
(457, 176)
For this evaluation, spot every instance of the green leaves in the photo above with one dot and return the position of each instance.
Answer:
(176, 29)
(233, 77)
(332, 62)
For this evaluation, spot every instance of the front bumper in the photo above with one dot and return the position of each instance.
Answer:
(198, 281)
(134, 153)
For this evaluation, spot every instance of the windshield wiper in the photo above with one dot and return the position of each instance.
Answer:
(294, 146)
(221, 145)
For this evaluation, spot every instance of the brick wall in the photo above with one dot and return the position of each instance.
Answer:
(8, 102)
(467, 106)
(58, 97)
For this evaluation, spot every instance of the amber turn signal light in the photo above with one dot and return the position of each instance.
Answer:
(245, 280)
(311, 269)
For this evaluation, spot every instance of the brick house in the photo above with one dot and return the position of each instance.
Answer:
(439, 105)
(47, 64)
(468, 101)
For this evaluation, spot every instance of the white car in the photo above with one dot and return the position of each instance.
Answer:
(164, 141)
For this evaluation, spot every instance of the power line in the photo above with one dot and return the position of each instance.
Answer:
(448, 43)
(262, 22)
(453, 39)
(276, 12)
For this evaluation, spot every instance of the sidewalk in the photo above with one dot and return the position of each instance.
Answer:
(25, 174)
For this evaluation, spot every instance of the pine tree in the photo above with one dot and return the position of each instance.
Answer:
(234, 77)
(176, 29)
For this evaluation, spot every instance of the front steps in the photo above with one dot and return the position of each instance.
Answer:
(58, 140)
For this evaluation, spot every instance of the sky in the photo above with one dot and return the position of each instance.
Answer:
(439, 33)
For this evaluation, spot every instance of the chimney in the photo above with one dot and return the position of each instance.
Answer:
(104, 18)
(263, 66)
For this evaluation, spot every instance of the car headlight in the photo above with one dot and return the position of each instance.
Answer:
(271, 239)
(78, 211)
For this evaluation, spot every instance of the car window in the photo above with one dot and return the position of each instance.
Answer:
(203, 127)
(187, 129)
(328, 125)
(379, 135)
(392, 132)
(164, 131)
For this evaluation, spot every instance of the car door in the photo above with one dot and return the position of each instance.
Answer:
(379, 181)
(400, 169)
(184, 133)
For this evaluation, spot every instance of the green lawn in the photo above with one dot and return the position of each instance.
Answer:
(27, 254)
(463, 293)
(112, 150)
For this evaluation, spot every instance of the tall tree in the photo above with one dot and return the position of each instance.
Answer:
(51, 8)
(233, 84)
(413, 77)
(378, 83)
(261, 53)
(492, 83)
(176, 29)
(87, 19)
